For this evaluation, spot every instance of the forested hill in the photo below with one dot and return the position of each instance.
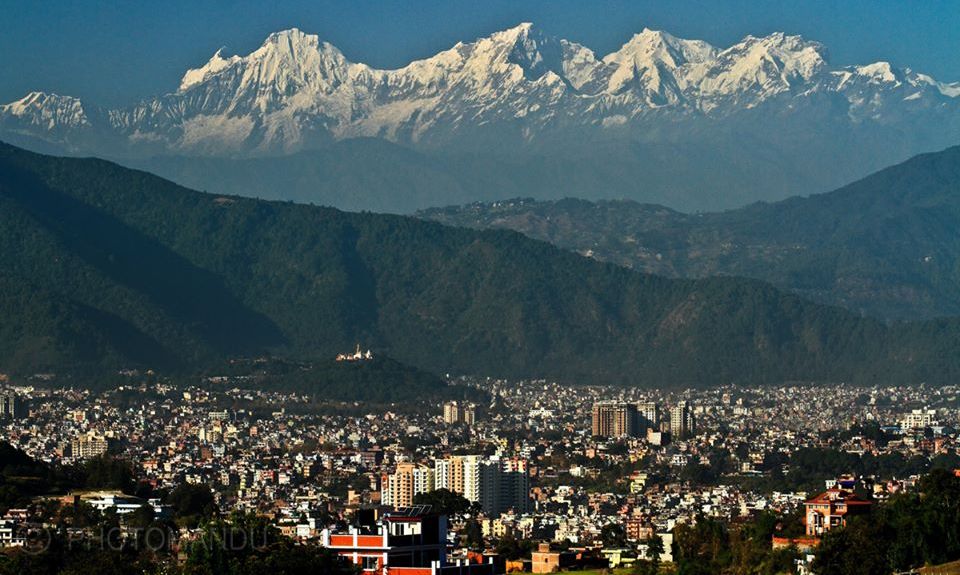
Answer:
(886, 245)
(104, 267)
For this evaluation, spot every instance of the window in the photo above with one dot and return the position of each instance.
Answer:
(369, 563)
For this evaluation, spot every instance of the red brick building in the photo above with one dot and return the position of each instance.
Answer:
(831, 509)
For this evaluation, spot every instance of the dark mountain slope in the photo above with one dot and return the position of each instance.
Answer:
(194, 278)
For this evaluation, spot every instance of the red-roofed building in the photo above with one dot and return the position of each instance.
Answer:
(831, 508)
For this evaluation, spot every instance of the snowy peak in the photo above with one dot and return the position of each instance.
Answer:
(48, 111)
(287, 62)
(650, 63)
(491, 71)
(532, 50)
(795, 58)
(521, 53)
(756, 69)
(296, 48)
(523, 33)
(660, 47)
(214, 65)
(878, 73)
(292, 59)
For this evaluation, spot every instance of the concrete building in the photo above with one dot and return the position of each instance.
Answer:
(123, 504)
(404, 484)
(410, 542)
(543, 560)
(455, 412)
(919, 419)
(614, 419)
(12, 406)
(682, 421)
(515, 485)
(89, 445)
(648, 414)
(496, 484)
(831, 509)
(10, 534)
(451, 473)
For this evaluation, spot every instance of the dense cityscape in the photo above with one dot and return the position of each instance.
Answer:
(550, 476)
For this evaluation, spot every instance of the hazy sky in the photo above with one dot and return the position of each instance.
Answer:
(115, 52)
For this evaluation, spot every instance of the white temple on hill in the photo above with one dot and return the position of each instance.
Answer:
(357, 355)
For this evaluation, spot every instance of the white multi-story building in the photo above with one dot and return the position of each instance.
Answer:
(10, 535)
(919, 419)
(496, 484)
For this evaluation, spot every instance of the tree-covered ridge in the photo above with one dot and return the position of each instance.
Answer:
(885, 246)
(380, 380)
(115, 268)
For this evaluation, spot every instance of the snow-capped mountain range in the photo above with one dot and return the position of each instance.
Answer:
(518, 113)
(297, 92)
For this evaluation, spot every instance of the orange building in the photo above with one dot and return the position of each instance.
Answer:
(831, 508)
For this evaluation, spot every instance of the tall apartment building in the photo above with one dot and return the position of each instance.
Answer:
(615, 419)
(12, 405)
(496, 484)
(515, 485)
(648, 414)
(682, 422)
(404, 484)
(484, 486)
(450, 473)
(455, 412)
(442, 473)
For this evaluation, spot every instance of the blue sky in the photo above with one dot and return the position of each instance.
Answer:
(115, 52)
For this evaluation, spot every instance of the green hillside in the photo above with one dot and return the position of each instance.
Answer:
(885, 246)
(110, 267)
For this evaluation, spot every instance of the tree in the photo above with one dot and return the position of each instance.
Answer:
(613, 535)
(191, 503)
(446, 502)
(655, 550)
(702, 548)
(655, 547)
(108, 472)
(511, 548)
(141, 517)
(860, 548)
(473, 535)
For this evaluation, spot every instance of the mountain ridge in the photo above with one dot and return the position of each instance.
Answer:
(296, 91)
(883, 246)
(661, 119)
(177, 279)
